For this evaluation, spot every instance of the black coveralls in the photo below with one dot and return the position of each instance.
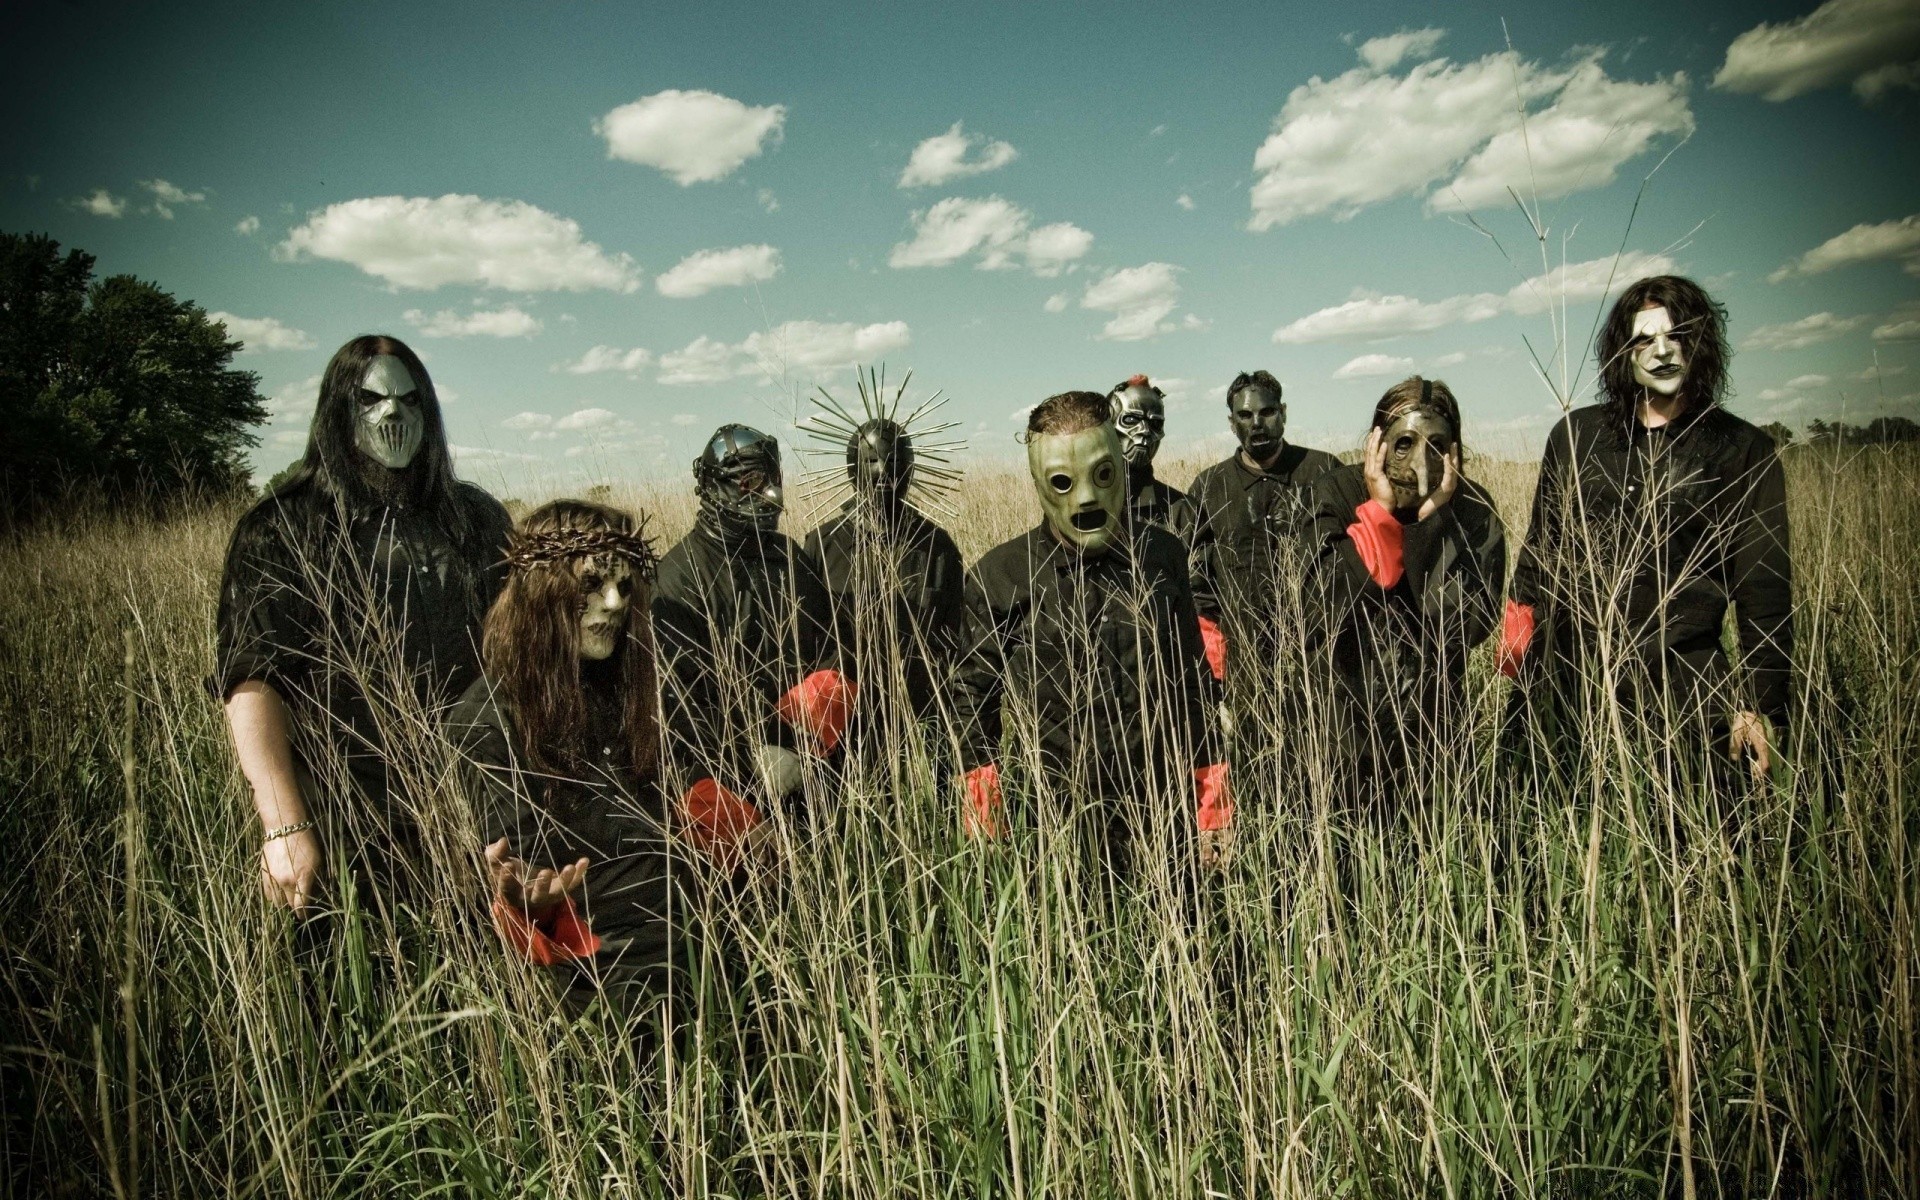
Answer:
(1102, 655)
(1151, 501)
(740, 619)
(633, 894)
(1397, 656)
(899, 604)
(1640, 540)
(357, 626)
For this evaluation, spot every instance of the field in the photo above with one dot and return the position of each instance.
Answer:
(1584, 983)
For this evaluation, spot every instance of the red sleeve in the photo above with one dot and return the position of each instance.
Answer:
(1376, 536)
(983, 801)
(820, 706)
(560, 936)
(1215, 800)
(1516, 634)
(1216, 646)
(717, 820)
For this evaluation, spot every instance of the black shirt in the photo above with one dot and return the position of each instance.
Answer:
(739, 620)
(913, 566)
(1104, 650)
(1655, 532)
(1151, 501)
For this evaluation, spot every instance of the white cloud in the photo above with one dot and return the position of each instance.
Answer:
(294, 399)
(422, 242)
(1369, 317)
(501, 323)
(1367, 135)
(701, 272)
(1902, 325)
(1370, 366)
(472, 456)
(167, 197)
(528, 422)
(1140, 299)
(943, 158)
(994, 229)
(262, 333)
(247, 226)
(1863, 243)
(103, 203)
(1807, 331)
(1056, 303)
(607, 358)
(1386, 53)
(684, 418)
(1873, 43)
(807, 348)
(586, 419)
(1184, 201)
(694, 137)
(1450, 360)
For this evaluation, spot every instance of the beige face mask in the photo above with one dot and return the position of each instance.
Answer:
(1081, 480)
(1659, 360)
(391, 424)
(607, 586)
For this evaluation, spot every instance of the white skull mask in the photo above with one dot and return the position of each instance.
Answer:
(606, 588)
(390, 425)
(1659, 360)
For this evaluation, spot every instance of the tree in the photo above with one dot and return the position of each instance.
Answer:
(113, 384)
(1781, 435)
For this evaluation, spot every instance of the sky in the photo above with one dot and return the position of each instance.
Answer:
(608, 228)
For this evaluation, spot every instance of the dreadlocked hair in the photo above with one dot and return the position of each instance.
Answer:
(1700, 326)
(530, 644)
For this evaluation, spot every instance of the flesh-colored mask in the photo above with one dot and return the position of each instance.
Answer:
(1259, 421)
(1081, 480)
(1659, 360)
(606, 589)
(391, 424)
(1417, 442)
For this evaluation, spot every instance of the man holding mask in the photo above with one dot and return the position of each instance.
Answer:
(1086, 628)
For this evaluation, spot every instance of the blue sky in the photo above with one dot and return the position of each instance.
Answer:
(610, 227)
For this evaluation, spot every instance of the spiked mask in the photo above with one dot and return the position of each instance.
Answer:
(390, 424)
(1140, 416)
(738, 477)
(1418, 441)
(880, 463)
(1081, 482)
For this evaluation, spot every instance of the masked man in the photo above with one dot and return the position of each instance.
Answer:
(1140, 417)
(745, 629)
(1411, 561)
(1086, 627)
(896, 582)
(349, 608)
(560, 754)
(1655, 510)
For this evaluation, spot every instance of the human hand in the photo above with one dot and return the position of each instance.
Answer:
(1441, 496)
(290, 869)
(536, 893)
(1750, 736)
(780, 769)
(1373, 468)
(1216, 848)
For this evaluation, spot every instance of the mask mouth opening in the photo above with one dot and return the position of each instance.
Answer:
(1090, 520)
(1665, 370)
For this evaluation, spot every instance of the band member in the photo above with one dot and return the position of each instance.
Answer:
(560, 754)
(1411, 562)
(894, 576)
(1140, 417)
(1655, 510)
(1088, 625)
(745, 632)
(351, 603)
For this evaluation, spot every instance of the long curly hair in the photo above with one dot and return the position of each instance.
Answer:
(530, 643)
(1700, 325)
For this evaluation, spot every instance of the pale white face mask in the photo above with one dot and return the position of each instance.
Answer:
(1659, 361)
(391, 424)
(607, 585)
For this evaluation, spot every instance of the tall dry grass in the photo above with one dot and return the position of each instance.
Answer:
(1581, 982)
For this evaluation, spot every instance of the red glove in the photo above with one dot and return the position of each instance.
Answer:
(1377, 537)
(983, 796)
(819, 706)
(1215, 801)
(717, 821)
(560, 936)
(1516, 634)
(1216, 646)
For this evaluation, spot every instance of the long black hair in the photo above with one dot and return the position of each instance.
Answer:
(1699, 325)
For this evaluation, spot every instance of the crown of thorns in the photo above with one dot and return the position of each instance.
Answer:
(557, 545)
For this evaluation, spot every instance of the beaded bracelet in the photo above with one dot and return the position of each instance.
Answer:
(274, 835)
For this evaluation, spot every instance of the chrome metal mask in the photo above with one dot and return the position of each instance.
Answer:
(1140, 417)
(738, 478)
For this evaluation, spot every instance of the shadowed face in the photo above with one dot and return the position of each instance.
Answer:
(606, 590)
(1659, 360)
(1081, 481)
(1258, 419)
(390, 425)
(880, 463)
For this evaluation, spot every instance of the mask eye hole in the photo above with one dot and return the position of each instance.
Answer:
(591, 582)
(1103, 475)
(1403, 444)
(370, 398)
(1060, 482)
